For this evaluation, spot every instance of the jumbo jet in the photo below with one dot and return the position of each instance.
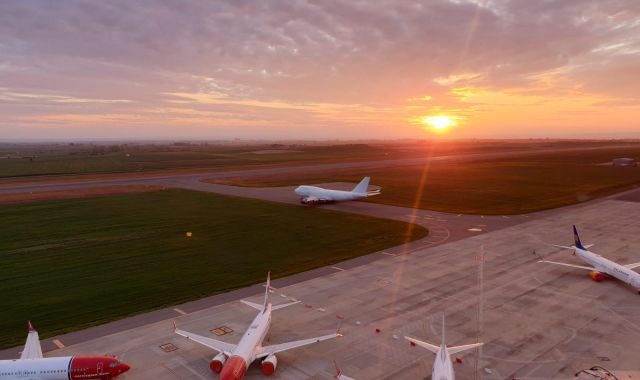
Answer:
(600, 268)
(32, 366)
(442, 366)
(314, 195)
(233, 359)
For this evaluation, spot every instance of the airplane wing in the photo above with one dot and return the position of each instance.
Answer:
(218, 345)
(32, 349)
(567, 265)
(422, 344)
(632, 266)
(268, 350)
(457, 349)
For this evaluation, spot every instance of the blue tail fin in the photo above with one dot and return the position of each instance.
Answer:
(576, 237)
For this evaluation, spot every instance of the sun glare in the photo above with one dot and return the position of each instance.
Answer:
(439, 123)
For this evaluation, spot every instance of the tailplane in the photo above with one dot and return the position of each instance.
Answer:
(263, 307)
(362, 187)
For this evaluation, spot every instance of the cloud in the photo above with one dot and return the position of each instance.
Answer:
(310, 63)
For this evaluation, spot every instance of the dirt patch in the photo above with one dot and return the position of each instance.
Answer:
(73, 194)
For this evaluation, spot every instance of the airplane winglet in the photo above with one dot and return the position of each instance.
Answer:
(30, 325)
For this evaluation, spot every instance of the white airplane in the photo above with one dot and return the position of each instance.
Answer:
(442, 366)
(600, 268)
(314, 195)
(233, 359)
(33, 366)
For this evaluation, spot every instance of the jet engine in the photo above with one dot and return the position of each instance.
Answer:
(597, 276)
(217, 362)
(309, 200)
(269, 365)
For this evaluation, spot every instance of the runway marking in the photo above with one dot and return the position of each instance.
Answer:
(475, 229)
(336, 268)
(504, 216)
(179, 311)
(388, 254)
(58, 343)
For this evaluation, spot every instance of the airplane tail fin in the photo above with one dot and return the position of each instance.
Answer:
(266, 291)
(576, 237)
(362, 187)
(444, 341)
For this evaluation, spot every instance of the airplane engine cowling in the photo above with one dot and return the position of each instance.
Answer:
(217, 363)
(269, 365)
(597, 276)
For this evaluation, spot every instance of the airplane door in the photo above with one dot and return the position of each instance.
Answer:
(99, 368)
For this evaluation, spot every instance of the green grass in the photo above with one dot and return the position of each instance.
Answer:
(72, 264)
(24, 160)
(491, 187)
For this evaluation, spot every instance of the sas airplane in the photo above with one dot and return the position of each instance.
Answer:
(33, 366)
(600, 268)
(442, 366)
(314, 195)
(233, 359)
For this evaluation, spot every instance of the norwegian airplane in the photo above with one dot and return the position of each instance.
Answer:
(33, 366)
(442, 366)
(233, 360)
(600, 268)
(314, 195)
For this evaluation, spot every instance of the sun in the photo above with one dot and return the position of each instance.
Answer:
(439, 123)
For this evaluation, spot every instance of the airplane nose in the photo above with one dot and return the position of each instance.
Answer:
(124, 367)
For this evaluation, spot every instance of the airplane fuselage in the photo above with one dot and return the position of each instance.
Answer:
(62, 368)
(609, 267)
(320, 195)
(442, 366)
(249, 346)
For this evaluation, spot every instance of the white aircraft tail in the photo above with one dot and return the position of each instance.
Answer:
(435, 349)
(263, 307)
(362, 187)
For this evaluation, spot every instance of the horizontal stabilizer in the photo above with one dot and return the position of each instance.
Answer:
(457, 349)
(374, 192)
(563, 246)
(422, 344)
(254, 305)
(278, 307)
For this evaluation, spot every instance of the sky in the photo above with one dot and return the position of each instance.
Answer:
(319, 69)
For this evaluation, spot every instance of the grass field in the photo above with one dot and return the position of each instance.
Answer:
(491, 186)
(27, 160)
(72, 264)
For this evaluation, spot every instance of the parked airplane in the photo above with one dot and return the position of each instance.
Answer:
(32, 366)
(600, 268)
(442, 366)
(314, 195)
(233, 360)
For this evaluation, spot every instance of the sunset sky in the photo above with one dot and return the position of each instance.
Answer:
(319, 69)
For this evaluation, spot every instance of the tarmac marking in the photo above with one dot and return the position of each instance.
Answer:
(388, 254)
(179, 311)
(58, 343)
(336, 268)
